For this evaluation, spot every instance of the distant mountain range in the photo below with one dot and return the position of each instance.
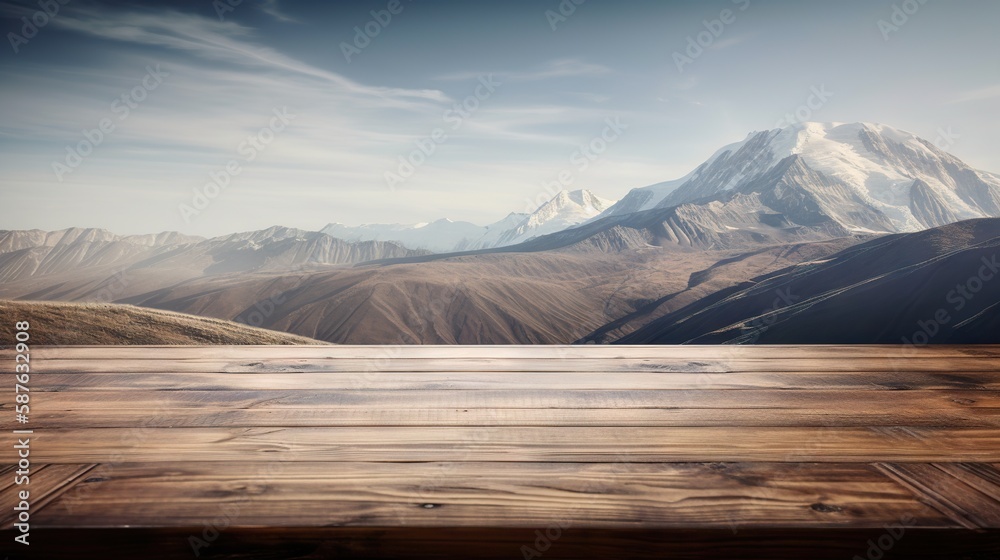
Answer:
(854, 218)
(565, 210)
(803, 183)
(36, 256)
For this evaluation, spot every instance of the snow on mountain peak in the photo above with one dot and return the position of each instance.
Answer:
(566, 209)
(863, 177)
(881, 165)
(910, 182)
(583, 199)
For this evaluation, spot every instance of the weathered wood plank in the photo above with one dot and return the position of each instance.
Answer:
(948, 494)
(518, 495)
(983, 477)
(846, 401)
(599, 365)
(275, 416)
(47, 482)
(487, 351)
(519, 444)
(7, 476)
(562, 381)
(625, 442)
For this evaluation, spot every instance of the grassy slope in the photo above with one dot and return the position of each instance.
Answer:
(109, 324)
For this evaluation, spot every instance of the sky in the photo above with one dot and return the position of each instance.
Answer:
(209, 117)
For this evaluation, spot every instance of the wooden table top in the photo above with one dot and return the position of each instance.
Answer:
(507, 452)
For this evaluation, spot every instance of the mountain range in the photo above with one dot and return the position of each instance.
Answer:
(565, 210)
(865, 177)
(936, 286)
(36, 254)
(805, 181)
(850, 217)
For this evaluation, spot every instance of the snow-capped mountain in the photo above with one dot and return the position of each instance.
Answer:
(565, 210)
(28, 253)
(25, 255)
(494, 232)
(863, 176)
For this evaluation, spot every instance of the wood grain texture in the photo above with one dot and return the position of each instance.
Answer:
(557, 381)
(429, 452)
(984, 478)
(961, 501)
(597, 365)
(489, 352)
(847, 401)
(520, 444)
(273, 415)
(295, 494)
(45, 484)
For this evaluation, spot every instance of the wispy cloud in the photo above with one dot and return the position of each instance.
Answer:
(723, 44)
(17, 10)
(224, 80)
(687, 83)
(559, 68)
(225, 41)
(981, 94)
(273, 9)
(536, 123)
(357, 121)
(563, 68)
(681, 101)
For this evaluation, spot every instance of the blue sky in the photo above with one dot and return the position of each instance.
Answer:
(594, 94)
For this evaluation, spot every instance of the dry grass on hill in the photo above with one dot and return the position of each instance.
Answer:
(110, 324)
